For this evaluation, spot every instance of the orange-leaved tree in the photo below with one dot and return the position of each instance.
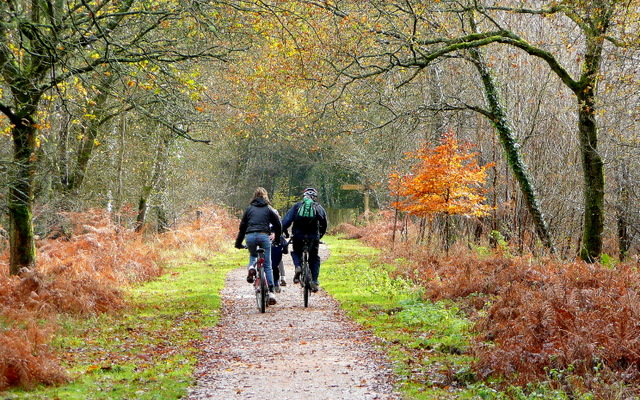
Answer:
(445, 179)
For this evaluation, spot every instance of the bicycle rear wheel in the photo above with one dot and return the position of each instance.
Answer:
(261, 289)
(306, 283)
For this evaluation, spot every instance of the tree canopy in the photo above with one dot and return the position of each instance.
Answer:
(108, 103)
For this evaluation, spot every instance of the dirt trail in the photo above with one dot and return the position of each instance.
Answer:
(290, 352)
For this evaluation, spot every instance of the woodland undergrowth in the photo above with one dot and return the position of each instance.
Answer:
(83, 267)
(568, 324)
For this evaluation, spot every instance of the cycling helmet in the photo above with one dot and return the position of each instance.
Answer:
(311, 192)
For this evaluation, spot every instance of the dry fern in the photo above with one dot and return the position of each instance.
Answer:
(82, 268)
(573, 324)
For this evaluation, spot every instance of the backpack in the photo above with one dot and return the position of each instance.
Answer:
(307, 212)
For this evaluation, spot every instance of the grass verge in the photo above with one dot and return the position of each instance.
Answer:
(426, 341)
(148, 351)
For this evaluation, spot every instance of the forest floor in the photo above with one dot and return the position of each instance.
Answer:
(289, 352)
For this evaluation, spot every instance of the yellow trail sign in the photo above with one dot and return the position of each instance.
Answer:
(352, 187)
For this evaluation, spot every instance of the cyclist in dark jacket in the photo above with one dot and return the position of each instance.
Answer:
(258, 220)
(312, 229)
(277, 250)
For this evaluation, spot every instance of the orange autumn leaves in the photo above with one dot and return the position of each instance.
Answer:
(445, 179)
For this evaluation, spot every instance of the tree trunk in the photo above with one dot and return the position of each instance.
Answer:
(593, 186)
(88, 141)
(161, 186)
(447, 233)
(438, 124)
(163, 221)
(120, 167)
(592, 164)
(21, 234)
(395, 225)
(422, 227)
(624, 239)
(142, 208)
(157, 175)
(499, 120)
(82, 161)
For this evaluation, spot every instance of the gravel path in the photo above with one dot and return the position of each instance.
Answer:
(290, 352)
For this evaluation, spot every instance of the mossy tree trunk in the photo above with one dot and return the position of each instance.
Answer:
(498, 117)
(592, 164)
(20, 204)
(594, 26)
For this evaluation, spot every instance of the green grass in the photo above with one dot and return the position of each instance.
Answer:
(148, 351)
(425, 340)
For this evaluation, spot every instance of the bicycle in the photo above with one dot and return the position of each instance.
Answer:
(260, 285)
(305, 275)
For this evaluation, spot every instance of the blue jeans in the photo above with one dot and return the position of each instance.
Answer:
(254, 240)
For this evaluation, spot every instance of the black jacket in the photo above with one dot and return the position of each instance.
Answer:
(319, 227)
(259, 217)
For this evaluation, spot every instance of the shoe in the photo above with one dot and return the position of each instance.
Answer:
(252, 275)
(314, 287)
(296, 277)
(272, 299)
(277, 289)
(283, 282)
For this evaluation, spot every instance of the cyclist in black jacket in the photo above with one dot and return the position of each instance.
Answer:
(258, 220)
(311, 228)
